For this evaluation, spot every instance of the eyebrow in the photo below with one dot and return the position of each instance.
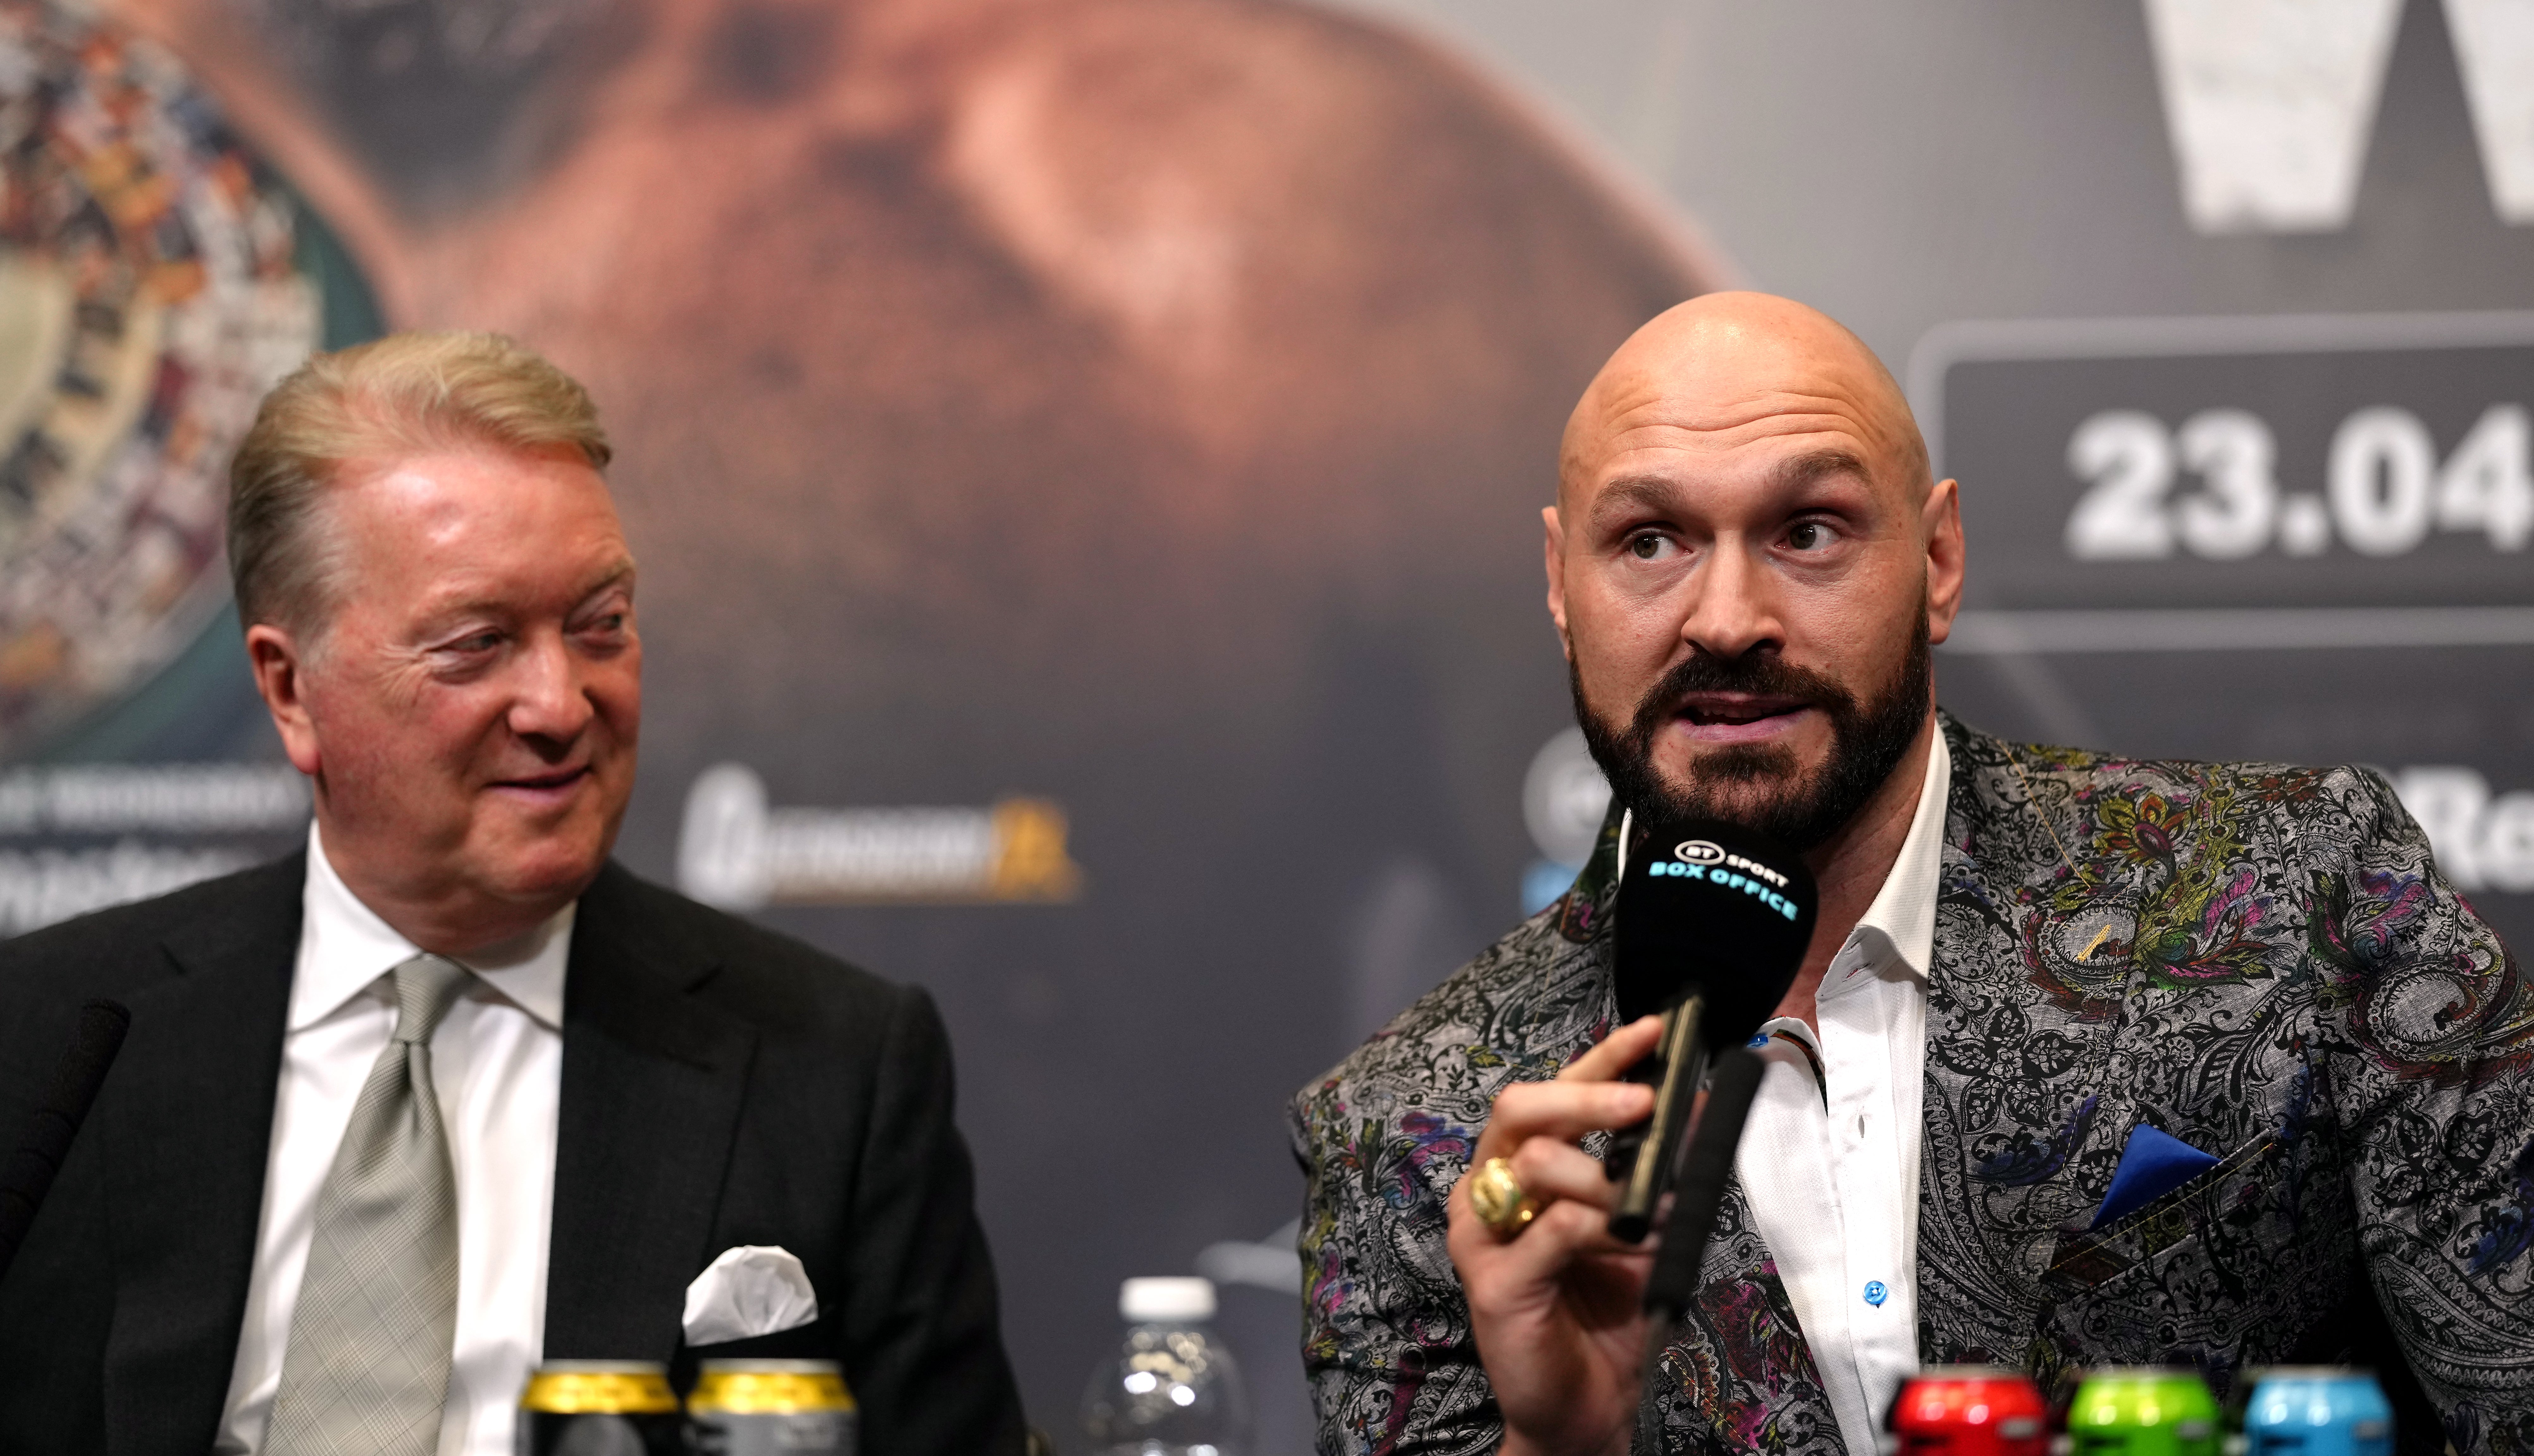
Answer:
(1631, 494)
(617, 575)
(1817, 465)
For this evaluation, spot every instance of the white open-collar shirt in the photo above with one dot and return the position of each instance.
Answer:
(497, 1067)
(1829, 1160)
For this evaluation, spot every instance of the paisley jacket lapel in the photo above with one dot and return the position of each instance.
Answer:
(2024, 992)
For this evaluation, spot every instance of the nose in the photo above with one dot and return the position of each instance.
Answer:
(551, 704)
(1731, 608)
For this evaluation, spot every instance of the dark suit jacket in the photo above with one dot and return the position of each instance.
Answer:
(722, 1084)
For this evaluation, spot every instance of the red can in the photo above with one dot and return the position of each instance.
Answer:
(1972, 1410)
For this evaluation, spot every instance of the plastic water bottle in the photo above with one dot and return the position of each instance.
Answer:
(1173, 1389)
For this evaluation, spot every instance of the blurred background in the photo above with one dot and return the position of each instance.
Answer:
(1085, 458)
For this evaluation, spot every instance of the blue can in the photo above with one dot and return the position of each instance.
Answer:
(2314, 1411)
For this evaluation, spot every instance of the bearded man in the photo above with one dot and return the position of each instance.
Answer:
(2089, 1061)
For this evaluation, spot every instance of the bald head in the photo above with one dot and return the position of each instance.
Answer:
(1730, 366)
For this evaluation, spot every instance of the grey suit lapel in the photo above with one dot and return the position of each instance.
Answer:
(653, 1079)
(185, 1122)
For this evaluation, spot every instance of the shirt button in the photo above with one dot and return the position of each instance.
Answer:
(1874, 1293)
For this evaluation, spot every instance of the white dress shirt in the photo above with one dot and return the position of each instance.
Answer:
(1828, 1161)
(497, 1067)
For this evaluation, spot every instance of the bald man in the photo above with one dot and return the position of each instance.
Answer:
(2089, 1061)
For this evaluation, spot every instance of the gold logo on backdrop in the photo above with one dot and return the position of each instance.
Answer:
(737, 851)
(1030, 859)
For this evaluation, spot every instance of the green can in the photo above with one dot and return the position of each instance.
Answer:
(2143, 1412)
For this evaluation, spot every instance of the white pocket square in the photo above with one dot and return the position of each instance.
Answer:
(755, 1289)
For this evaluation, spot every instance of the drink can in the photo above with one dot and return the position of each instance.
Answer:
(2143, 1412)
(2316, 1411)
(1971, 1410)
(599, 1408)
(772, 1407)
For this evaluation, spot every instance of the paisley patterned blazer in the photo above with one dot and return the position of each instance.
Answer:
(2258, 958)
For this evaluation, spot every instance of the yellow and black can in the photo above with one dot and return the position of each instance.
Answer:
(766, 1407)
(600, 1408)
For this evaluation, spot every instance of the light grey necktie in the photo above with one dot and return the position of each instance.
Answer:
(366, 1370)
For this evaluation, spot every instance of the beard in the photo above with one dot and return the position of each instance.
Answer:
(1760, 786)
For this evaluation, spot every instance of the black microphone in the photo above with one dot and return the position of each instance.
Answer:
(1731, 1083)
(95, 1042)
(1674, 1283)
(1711, 926)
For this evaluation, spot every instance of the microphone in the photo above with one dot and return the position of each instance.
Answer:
(1674, 1283)
(1731, 1084)
(95, 1042)
(1711, 926)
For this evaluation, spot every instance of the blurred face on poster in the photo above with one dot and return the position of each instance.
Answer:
(1748, 565)
(467, 698)
(985, 394)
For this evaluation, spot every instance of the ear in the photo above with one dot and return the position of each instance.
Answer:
(280, 677)
(1941, 526)
(1553, 546)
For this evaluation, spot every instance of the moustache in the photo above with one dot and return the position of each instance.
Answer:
(1757, 676)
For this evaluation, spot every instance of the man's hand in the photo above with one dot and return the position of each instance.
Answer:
(1554, 1309)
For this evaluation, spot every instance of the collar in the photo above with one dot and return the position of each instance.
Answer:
(344, 947)
(1900, 927)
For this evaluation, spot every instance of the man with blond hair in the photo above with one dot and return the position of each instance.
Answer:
(449, 1093)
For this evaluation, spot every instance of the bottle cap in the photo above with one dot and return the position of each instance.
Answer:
(1153, 1301)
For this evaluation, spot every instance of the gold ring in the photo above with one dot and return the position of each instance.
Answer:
(1499, 1200)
